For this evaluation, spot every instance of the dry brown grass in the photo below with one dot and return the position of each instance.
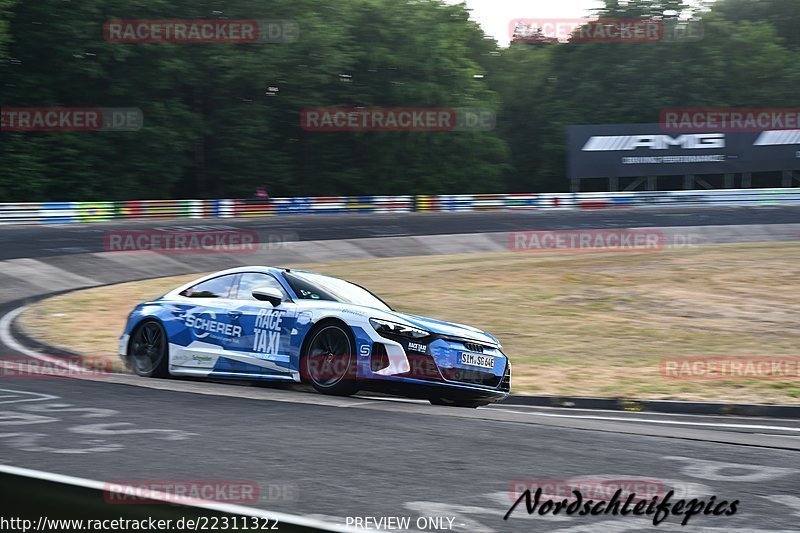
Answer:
(573, 324)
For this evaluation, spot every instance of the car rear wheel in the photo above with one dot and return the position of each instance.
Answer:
(329, 361)
(149, 350)
(471, 404)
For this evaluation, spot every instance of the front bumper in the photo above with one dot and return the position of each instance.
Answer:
(433, 366)
(124, 340)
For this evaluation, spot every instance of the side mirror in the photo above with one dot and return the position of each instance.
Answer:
(268, 294)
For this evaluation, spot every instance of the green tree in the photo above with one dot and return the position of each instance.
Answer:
(783, 15)
(222, 119)
(5, 13)
(547, 88)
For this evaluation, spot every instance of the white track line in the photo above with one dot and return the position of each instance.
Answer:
(653, 421)
(155, 495)
(505, 407)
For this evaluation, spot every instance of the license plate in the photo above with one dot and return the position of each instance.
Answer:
(473, 359)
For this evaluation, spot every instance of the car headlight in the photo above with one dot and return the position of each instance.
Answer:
(384, 327)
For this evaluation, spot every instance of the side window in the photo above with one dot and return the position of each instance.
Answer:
(214, 288)
(253, 280)
(306, 290)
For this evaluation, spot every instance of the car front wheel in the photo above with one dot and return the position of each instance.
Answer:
(329, 361)
(148, 353)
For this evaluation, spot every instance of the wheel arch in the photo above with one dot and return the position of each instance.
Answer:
(328, 320)
(136, 325)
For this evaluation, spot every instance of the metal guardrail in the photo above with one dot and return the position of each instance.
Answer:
(70, 212)
(44, 498)
(324, 205)
(720, 197)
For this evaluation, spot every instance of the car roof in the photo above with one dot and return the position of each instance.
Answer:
(260, 268)
(252, 268)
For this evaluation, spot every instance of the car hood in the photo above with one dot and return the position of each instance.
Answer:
(445, 328)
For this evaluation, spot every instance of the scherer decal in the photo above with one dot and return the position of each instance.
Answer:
(203, 327)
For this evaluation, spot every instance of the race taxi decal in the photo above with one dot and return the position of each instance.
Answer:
(417, 347)
(267, 332)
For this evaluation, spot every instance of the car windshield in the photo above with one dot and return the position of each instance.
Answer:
(310, 286)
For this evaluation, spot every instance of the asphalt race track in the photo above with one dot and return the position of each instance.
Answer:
(370, 456)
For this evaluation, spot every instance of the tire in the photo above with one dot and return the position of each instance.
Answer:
(470, 404)
(148, 351)
(328, 362)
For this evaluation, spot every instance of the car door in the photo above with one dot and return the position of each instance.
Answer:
(209, 326)
(267, 331)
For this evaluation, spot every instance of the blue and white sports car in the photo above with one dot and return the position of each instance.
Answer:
(290, 325)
